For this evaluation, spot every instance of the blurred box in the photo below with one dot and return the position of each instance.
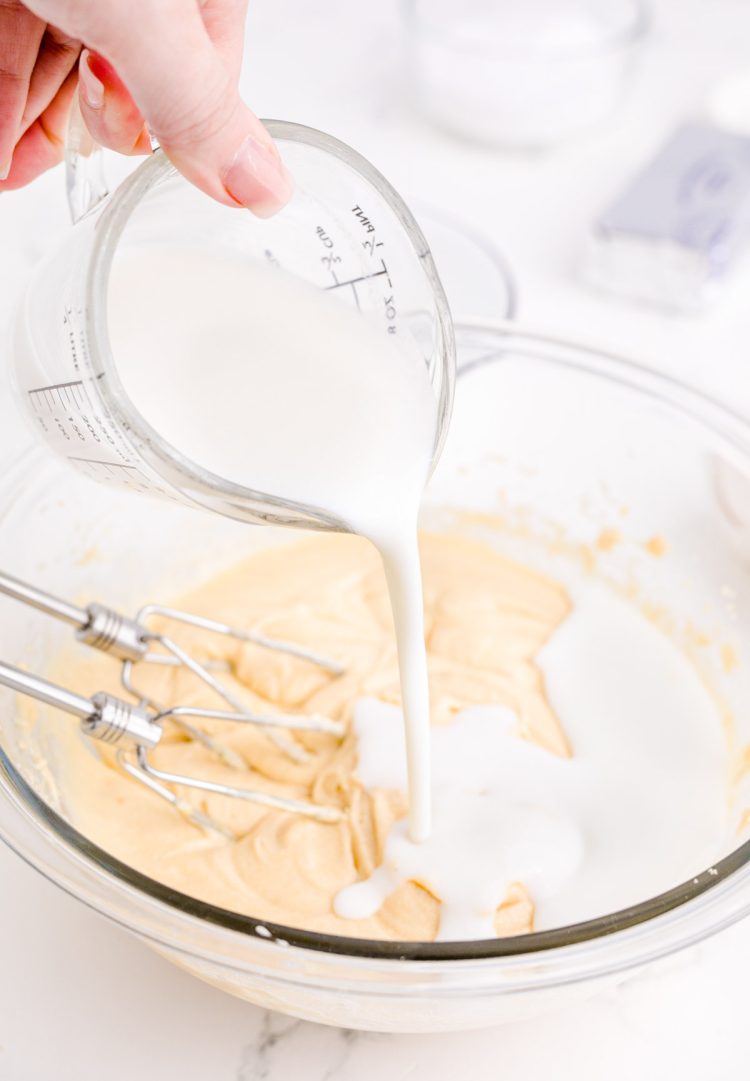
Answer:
(675, 232)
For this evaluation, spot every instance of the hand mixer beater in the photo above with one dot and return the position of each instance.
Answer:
(136, 728)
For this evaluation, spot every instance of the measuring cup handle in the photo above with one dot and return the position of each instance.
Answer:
(85, 182)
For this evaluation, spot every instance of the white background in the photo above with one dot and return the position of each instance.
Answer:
(82, 1001)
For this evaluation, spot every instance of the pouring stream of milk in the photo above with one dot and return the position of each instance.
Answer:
(267, 382)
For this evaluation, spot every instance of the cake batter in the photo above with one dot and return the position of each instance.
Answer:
(497, 634)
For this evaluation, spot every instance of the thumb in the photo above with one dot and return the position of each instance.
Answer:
(191, 104)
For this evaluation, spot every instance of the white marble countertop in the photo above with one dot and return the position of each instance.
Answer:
(80, 1000)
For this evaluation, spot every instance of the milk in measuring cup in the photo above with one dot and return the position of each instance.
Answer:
(267, 382)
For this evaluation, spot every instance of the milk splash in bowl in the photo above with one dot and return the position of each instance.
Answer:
(632, 810)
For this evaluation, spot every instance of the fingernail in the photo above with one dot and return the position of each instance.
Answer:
(92, 88)
(5, 169)
(257, 179)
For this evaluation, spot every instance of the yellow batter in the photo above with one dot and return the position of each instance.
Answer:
(486, 619)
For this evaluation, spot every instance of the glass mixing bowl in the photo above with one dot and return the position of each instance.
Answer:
(553, 447)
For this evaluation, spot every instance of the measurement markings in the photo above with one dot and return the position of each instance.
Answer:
(113, 467)
(362, 278)
(98, 461)
(73, 394)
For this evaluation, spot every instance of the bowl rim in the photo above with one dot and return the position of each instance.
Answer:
(504, 340)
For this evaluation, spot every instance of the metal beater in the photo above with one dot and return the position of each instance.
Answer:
(137, 728)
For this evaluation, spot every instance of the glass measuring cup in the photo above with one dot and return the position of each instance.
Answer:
(346, 230)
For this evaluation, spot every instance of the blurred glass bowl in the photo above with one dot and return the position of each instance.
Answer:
(525, 75)
(476, 276)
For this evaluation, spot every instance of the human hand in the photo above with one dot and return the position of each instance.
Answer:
(168, 67)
